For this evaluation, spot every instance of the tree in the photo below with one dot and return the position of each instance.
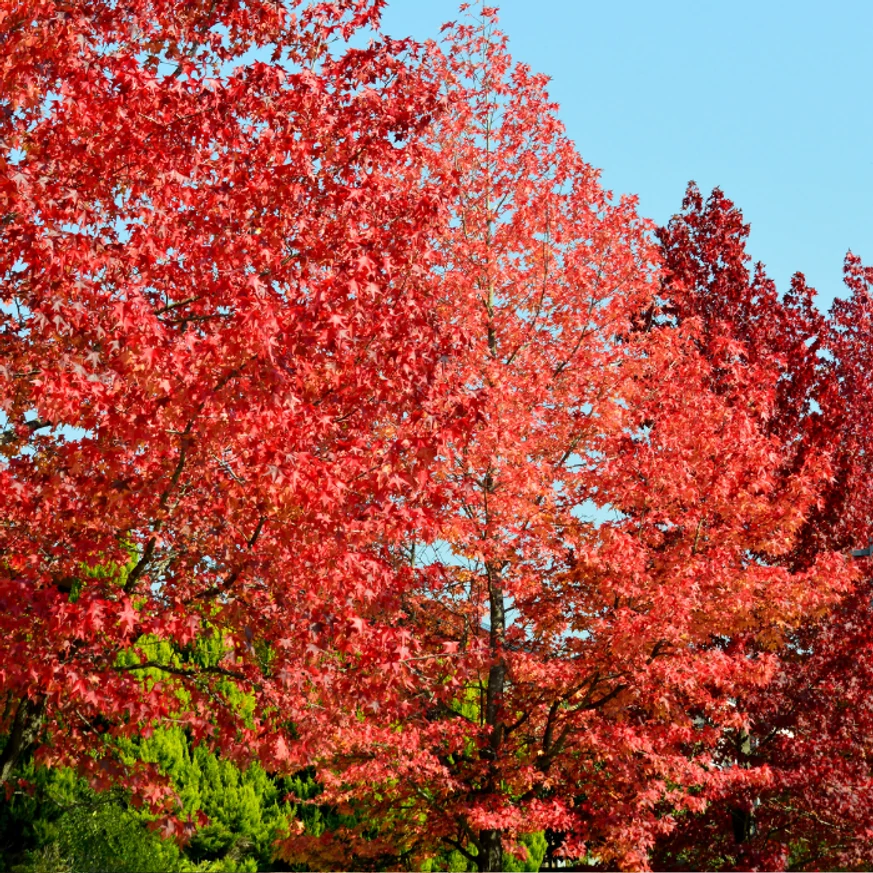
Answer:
(58, 823)
(218, 357)
(759, 345)
(821, 708)
(606, 581)
(810, 725)
(756, 342)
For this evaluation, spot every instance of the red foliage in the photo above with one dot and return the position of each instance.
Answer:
(811, 725)
(337, 379)
(611, 572)
(219, 357)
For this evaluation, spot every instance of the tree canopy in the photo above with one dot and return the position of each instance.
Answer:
(353, 434)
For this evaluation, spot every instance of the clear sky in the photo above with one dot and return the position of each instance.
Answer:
(771, 101)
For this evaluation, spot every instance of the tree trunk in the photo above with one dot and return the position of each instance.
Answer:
(490, 845)
(490, 842)
(496, 680)
(22, 736)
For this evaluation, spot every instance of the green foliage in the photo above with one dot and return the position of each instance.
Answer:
(64, 825)
(100, 837)
(316, 819)
(246, 808)
(453, 861)
(536, 850)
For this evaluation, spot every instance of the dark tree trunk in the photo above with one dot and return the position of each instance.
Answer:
(490, 857)
(22, 736)
(490, 842)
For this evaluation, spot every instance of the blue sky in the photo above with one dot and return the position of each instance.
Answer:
(771, 101)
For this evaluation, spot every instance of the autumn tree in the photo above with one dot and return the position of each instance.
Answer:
(810, 725)
(218, 365)
(605, 581)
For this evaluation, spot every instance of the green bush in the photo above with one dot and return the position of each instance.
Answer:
(62, 824)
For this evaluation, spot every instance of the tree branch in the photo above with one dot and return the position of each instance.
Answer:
(186, 674)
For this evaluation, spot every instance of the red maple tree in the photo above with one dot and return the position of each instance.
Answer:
(606, 582)
(218, 362)
(810, 726)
